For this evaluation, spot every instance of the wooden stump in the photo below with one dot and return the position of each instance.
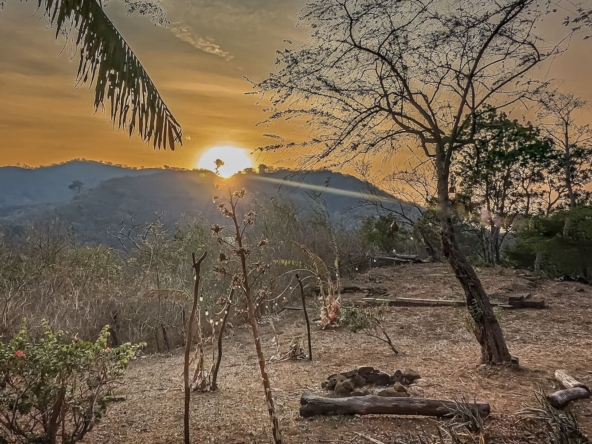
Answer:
(311, 405)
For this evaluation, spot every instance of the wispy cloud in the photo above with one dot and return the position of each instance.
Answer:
(207, 45)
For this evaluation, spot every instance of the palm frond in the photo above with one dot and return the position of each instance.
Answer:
(107, 61)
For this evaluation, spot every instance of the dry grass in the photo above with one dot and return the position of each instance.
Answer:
(432, 341)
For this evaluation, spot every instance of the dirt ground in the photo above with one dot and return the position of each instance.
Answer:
(432, 341)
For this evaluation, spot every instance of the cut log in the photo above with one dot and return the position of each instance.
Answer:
(567, 381)
(399, 259)
(311, 405)
(561, 398)
(410, 302)
(523, 302)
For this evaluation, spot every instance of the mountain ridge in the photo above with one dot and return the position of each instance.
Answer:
(175, 194)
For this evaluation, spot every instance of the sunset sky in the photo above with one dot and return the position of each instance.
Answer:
(197, 63)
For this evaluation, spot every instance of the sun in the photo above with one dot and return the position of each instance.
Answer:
(235, 160)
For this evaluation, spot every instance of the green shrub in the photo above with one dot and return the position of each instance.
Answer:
(563, 242)
(54, 389)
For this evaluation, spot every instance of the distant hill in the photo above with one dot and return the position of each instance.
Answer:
(173, 195)
(49, 184)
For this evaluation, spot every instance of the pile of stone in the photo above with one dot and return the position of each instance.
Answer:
(368, 380)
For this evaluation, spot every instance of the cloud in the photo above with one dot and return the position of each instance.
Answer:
(207, 45)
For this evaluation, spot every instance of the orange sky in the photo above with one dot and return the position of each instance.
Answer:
(198, 64)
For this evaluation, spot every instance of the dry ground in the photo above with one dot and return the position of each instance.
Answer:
(432, 341)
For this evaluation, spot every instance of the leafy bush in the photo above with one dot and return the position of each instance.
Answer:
(380, 232)
(369, 321)
(562, 242)
(53, 390)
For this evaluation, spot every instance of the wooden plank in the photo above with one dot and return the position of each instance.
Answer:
(410, 302)
(567, 381)
(413, 302)
(311, 405)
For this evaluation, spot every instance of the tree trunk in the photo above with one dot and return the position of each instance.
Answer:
(305, 317)
(568, 183)
(227, 307)
(487, 329)
(189, 332)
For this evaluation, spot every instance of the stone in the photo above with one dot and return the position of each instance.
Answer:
(358, 381)
(392, 393)
(344, 388)
(411, 375)
(415, 391)
(363, 371)
(379, 378)
(397, 376)
(400, 387)
(349, 374)
(330, 383)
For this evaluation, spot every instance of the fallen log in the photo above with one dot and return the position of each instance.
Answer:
(573, 391)
(562, 398)
(311, 405)
(412, 302)
(524, 302)
(567, 381)
(400, 259)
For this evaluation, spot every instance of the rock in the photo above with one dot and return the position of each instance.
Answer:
(400, 387)
(392, 393)
(415, 391)
(344, 388)
(360, 392)
(349, 374)
(363, 371)
(358, 381)
(397, 376)
(411, 375)
(379, 378)
(330, 383)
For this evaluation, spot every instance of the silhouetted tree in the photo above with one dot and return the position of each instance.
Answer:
(76, 186)
(382, 75)
(573, 167)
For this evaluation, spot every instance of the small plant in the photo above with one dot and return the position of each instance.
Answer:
(53, 390)
(244, 274)
(554, 426)
(369, 321)
(328, 288)
(463, 416)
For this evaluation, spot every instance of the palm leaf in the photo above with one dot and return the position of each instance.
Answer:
(107, 61)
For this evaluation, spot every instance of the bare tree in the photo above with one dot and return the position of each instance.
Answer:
(558, 112)
(381, 75)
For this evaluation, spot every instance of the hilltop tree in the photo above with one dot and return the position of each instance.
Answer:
(107, 61)
(377, 76)
(76, 186)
